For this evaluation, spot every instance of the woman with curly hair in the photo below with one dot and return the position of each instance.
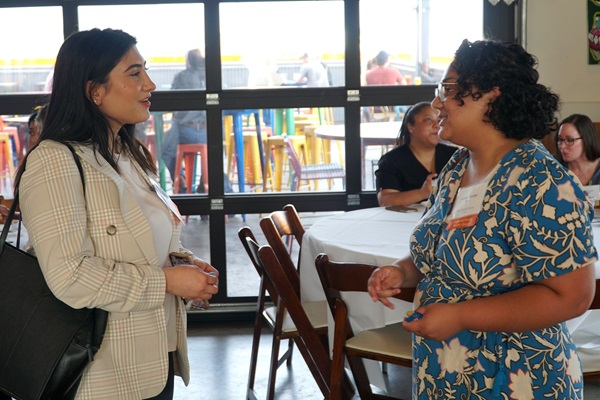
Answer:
(504, 253)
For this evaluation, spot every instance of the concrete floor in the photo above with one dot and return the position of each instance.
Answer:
(220, 356)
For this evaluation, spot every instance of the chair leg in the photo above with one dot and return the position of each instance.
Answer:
(361, 379)
(250, 394)
(177, 178)
(273, 366)
(315, 370)
(288, 354)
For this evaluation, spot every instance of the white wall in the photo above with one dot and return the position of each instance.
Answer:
(557, 35)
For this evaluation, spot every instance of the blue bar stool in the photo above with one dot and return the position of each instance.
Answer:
(238, 133)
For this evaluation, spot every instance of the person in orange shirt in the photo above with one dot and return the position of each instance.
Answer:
(383, 74)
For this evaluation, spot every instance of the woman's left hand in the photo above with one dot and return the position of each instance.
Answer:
(440, 321)
(206, 267)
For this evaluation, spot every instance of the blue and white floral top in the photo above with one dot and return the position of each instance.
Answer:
(534, 223)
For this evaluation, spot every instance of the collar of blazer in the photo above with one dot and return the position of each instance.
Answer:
(129, 208)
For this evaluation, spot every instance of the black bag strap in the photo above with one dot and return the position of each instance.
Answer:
(100, 316)
(13, 207)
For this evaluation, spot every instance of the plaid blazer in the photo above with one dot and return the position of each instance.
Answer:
(97, 250)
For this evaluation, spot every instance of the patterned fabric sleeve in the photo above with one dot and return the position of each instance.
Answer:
(549, 227)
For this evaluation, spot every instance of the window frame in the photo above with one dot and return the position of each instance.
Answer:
(501, 22)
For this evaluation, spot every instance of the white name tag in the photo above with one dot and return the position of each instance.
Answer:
(467, 206)
(166, 199)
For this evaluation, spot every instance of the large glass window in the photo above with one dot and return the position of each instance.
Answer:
(413, 38)
(274, 44)
(165, 34)
(31, 37)
(283, 150)
(260, 45)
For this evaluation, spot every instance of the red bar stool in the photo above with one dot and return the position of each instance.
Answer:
(188, 153)
(7, 167)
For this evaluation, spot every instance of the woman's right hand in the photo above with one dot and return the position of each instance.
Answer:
(385, 282)
(427, 187)
(191, 282)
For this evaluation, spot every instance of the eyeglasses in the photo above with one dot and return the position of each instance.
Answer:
(567, 141)
(443, 90)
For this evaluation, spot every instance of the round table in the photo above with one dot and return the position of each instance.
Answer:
(371, 134)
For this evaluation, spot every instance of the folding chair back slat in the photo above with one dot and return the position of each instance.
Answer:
(338, 277)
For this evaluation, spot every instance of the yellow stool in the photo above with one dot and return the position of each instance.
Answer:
(276, 145)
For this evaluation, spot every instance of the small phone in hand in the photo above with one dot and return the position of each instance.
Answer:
(186, 259)
(181, 259)
(413, 316)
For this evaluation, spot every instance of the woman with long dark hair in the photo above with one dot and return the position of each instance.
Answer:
(107, 244)
(405, 173)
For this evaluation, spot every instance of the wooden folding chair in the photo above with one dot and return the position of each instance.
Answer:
(589, 361)
(310, 342)
(280, 229)
(282, 323)
(390, 344)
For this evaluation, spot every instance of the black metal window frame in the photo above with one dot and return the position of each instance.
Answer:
(500, 22)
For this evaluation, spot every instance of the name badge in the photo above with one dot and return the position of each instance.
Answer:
(467, 206)
(166, 199)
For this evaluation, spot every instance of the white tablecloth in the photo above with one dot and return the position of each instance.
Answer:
(379, 236)
(372, 235)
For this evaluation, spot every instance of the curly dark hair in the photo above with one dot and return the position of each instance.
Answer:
(524, 108)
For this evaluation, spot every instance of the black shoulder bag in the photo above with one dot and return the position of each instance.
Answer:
(44, 344)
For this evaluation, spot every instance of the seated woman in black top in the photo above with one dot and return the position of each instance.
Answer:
(405, 173)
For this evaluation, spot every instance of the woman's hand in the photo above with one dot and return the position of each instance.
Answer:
(204, 266)
(440, 321)
(192, 282)
(385, 282)
(427, 187)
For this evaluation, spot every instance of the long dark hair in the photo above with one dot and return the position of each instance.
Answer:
(88, 56)
(584, 125)
(409, 118)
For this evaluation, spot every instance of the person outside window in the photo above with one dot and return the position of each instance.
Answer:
(383, 74)
(504, 253)
(312, 72)
(187, 126)
(105, 242)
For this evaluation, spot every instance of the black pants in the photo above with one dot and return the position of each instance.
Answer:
(167, 393)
